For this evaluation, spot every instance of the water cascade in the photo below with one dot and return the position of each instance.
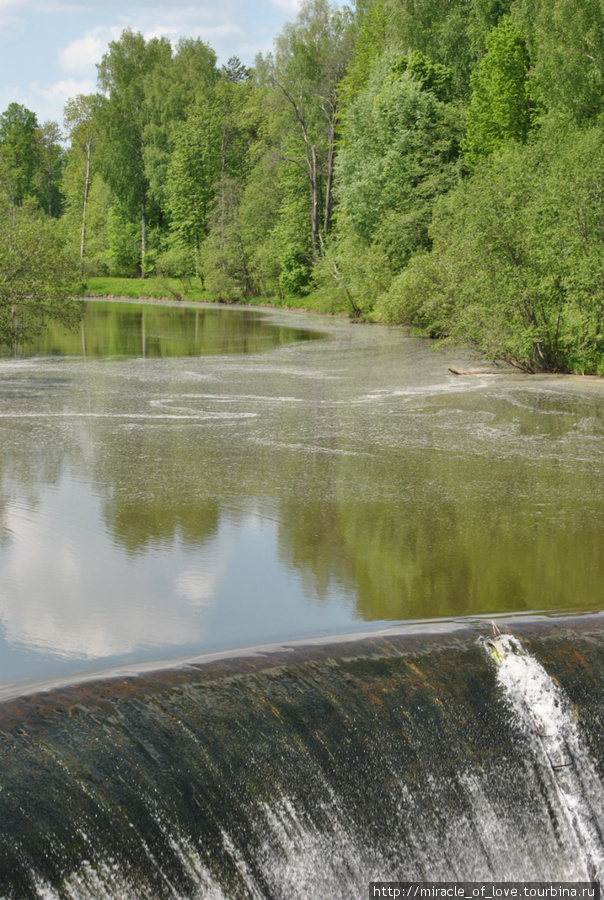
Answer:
(540, 704)
(309, 772)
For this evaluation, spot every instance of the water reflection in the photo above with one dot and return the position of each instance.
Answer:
(152, 507)
(159, 330)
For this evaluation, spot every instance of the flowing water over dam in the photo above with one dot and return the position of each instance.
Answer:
(248, 566)
(310, 772)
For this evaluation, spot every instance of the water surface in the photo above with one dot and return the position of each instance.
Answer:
(244, 482)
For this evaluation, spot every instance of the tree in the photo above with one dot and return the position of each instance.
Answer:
(235, 71)
(226, 270)
(123, 76)
(501, 108)
(310, 60)
(517, 258)
(19, 152)
(212, 145)
(193, 172)
(368, 46)
(172, 91)
(81, 118)
(38, 277)
(52, 160)
(566, 44)
(399, 153)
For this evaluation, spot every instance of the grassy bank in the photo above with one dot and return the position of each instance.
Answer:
(156, 288)
(144, 289)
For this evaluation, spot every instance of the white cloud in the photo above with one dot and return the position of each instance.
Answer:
(48, 100)
(56, 597)
(82, 54)
(288, 6)
(198, 585)
(61, 91)
(10, 23)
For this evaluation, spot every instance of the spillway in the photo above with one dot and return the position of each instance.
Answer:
(311, 771)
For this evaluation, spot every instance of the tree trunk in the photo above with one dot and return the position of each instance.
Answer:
(331, 155)
(314, 190)
(49, 173)
(86, 189)
(143, 236)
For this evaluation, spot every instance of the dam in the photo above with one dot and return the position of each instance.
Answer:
(313, 771)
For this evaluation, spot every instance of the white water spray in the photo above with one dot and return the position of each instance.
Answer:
(544, 710)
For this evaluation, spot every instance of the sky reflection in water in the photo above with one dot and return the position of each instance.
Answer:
(172, 505)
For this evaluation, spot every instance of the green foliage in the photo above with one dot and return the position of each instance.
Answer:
(123, 243)
(367, 47)
(516, 266)
(501, 108)
(295, 275)
(171, 91)
(432, 76)
(51, 165)
(38, 275)
(311, 56)
(400, 154)
(31, 159)
(354, 273)
(192, 174)
(225, 254)
(401, 144)
(156, 288)
(175, 263)
(125, 73)
(566, 43)
(449, 32)
(19, 152)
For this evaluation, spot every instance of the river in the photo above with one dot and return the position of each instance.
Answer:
(184, 484)
(259, 486)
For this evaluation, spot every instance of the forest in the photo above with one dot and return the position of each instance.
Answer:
(433, 164)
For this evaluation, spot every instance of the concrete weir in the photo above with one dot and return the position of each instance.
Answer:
(310, 772)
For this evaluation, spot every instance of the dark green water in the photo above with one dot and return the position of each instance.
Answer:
(156, 331)
(155, 507)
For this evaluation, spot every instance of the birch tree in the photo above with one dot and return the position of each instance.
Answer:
(81, 120)
(123, 76)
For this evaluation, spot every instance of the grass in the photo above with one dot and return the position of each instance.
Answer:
(324, 302)
(144, 288)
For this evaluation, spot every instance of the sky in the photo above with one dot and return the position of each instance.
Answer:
(49, 48)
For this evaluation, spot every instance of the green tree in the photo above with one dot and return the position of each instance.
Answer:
(501, 108)
(81, 116)
(566, 43)
(52, 164)
(124, 74)
(38, 277)
(310, 60)
(192, 174)
(235, 71)
(368, 45)
(19, 152)
(172, 91)
(517, 259)
(215, 143)
(399, 154)
(226, 253)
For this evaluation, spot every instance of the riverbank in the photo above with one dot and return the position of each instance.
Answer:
(155, 288)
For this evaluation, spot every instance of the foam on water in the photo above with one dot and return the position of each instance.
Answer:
(544, 710)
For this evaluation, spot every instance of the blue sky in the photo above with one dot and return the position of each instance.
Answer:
(48, 48)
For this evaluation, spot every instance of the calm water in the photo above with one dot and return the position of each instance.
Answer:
(177, 482)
